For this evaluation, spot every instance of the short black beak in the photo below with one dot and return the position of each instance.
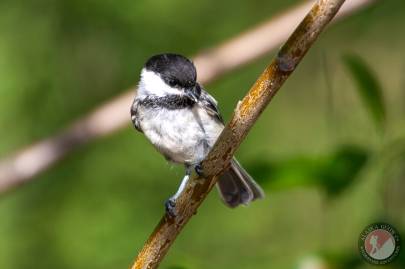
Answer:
(193, 93)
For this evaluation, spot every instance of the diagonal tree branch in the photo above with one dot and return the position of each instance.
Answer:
(245, 115)
(113, 115)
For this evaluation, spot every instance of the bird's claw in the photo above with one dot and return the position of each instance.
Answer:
(170, 206)
(199, 170)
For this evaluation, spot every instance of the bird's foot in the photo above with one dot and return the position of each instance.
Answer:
(170, 206)
(199, 170)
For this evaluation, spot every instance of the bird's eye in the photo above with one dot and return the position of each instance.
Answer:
(172, 82)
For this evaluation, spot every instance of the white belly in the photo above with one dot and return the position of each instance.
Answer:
(183, 135)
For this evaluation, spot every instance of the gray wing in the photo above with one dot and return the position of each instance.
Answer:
(134, 115)
(210, 105)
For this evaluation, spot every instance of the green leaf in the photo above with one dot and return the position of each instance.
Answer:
(341, 168)
(368, 87)
(333, 172)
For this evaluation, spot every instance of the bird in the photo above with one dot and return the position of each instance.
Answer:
(182, 121)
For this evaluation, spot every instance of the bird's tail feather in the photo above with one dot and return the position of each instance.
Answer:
(237, 187)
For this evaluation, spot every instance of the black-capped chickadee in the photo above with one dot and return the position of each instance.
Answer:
(183, 122)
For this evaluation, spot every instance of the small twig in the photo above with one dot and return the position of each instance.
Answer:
(245, 115)
(113, 115)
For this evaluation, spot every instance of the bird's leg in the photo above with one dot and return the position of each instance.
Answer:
(170, 204)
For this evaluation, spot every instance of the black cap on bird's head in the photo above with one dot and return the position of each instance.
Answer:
(176, 71)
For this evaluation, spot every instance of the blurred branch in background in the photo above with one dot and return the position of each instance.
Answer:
(246, 114)
(113, 115)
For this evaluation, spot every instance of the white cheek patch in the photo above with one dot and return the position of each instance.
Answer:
(153, 84)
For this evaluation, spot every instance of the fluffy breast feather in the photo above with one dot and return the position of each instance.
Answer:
(182, 135)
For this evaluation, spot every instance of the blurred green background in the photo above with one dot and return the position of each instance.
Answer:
(329, 150)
